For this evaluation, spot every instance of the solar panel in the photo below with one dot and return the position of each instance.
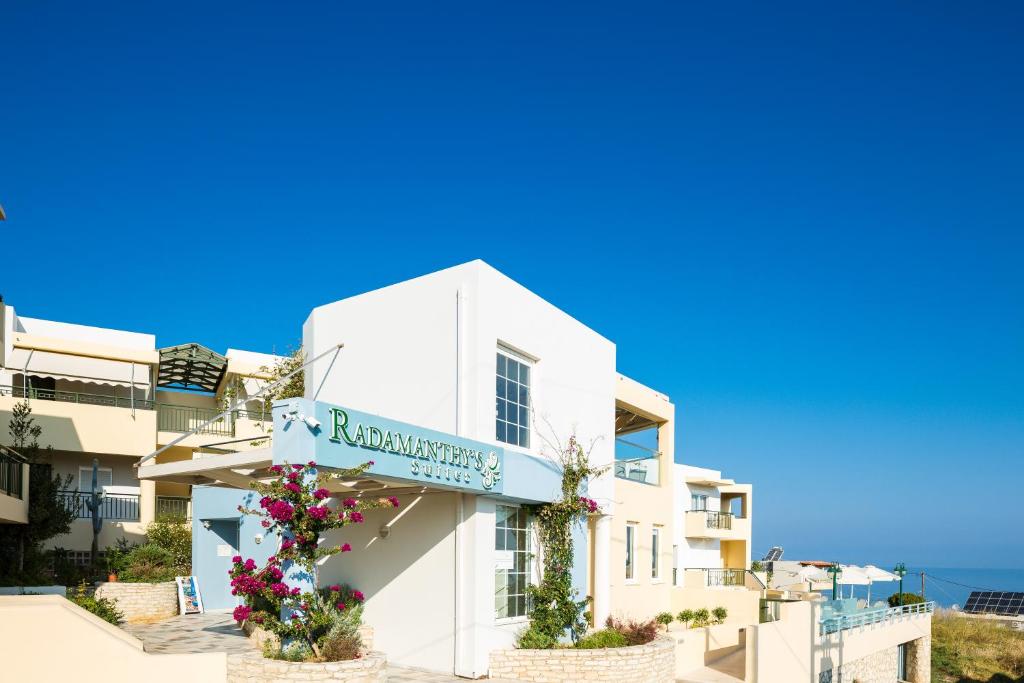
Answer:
(1001, 603)
(774, 555)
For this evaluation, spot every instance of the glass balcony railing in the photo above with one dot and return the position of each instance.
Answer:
(634, 462)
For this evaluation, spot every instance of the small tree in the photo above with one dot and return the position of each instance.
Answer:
(720, 613)
(685, 617)
(664, 618)
(701, 617)
(48, 516)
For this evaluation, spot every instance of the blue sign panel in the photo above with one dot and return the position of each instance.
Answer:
(342, 438)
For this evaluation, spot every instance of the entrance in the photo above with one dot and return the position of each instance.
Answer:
(216, 585)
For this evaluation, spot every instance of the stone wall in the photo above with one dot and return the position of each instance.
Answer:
(253, 668)
(260, 636)
(141, 602)
(878, 667)
(919, 660)
(651, 663)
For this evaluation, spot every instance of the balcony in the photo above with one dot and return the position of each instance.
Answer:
(176, 419)
(13, 487)
(713, 524)
(634, 462)
(834, 620)
(115, 506)
(173, 507)
(95, 423)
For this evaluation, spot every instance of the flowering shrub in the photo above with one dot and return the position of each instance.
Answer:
(293, 505)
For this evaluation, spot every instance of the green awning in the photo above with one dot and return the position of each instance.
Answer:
(191, 367)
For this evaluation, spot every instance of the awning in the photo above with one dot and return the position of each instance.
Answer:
(79, 368)
(192, 367)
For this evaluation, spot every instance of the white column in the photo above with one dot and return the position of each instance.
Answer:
(602, 569)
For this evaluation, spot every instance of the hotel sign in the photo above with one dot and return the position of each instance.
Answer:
(408, 452)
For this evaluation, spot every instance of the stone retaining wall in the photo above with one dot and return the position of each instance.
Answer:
(651, 663)
(260, 635)
(253, 668)
(141, 602)
(919, 660)
(879, 667)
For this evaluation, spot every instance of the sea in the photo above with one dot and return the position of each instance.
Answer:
(947, 586)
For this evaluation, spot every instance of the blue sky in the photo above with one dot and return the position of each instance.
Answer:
(802, 223)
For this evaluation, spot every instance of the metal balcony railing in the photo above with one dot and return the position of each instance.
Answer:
(717, 578)
(634, 462)
(172, 418)
(172, 507)
(116, 506)
(11, 483)
(75, 397)
(719, 520)
(842, 622)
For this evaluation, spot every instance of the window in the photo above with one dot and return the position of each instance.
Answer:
(512, 401)
(655, 537)
(901, 662)
(512, 561)
(630, 551)
(699, 501)
(104, 477)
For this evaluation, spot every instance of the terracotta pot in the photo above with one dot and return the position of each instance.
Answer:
(112, 578)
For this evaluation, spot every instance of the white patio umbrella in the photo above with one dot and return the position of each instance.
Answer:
(853, 576)
(875, 574)
(808, 575)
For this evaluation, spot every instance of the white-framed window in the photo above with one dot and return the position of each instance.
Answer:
(630, 552)
(699, 501)
(512, 561)
(104, 477)
(512, 400)
(655, 549)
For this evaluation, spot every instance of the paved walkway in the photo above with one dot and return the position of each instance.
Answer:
(728, 669)
(219, 633)
(192, 633)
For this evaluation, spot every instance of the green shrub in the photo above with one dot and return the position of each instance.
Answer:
(148, 563)
(757, 566)
(607, 637)
(908, 599)
(701, 617)
(719, 613)
(664, 618)
(116, 554)
(685, 617)
(533, 639)
(175, 536)
(635, 632)
(343, 642)
(104, 608)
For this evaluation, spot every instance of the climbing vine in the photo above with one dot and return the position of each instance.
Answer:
(556, 605)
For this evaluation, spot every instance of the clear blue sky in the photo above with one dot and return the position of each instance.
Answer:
(803, 223)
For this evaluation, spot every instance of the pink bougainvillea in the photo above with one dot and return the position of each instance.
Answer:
(294, 505)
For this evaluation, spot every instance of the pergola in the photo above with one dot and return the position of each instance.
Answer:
(191, 367)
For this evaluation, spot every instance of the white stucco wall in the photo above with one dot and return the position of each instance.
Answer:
(424, 352)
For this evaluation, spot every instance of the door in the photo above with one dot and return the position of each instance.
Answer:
(220, 540)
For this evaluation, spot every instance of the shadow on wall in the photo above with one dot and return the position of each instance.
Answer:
(998, 678)
(63, 427)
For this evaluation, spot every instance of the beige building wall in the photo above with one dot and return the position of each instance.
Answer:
(645, 507)
(15, 510)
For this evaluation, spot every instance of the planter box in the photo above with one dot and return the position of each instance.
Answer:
(251, 667)
(260, 635)
(651, 663)
(142, 602)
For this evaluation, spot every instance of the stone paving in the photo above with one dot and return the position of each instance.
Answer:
(212, 632)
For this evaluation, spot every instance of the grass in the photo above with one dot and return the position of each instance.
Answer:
(966, 650)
